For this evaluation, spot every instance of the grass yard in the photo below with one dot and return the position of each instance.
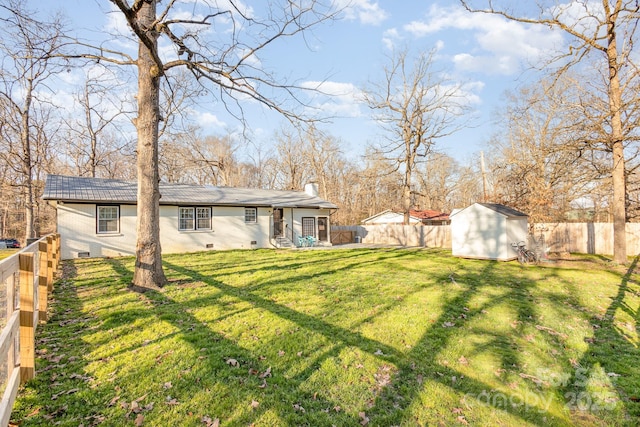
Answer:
(6, 253)
(339, 337)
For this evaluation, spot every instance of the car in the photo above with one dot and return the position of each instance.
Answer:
(11, 243)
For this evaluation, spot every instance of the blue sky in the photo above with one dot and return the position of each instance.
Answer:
(485, 53)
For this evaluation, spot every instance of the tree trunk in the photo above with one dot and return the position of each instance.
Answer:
(27, 166)
(148, 270)
(406, 193)
(617, 147)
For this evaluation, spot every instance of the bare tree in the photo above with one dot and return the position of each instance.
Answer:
(436, 182)
(224, 61)
(604, 30)
(417, 106)
(293, 165)
(95, 135)
(27, 46)
(541, 162)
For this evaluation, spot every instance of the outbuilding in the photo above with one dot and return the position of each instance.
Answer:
(486, 231)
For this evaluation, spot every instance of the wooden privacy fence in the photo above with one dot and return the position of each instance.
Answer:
(26, 279)
(583, 237)
(405, 235)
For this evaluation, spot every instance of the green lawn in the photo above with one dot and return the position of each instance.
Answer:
(340, 337)
(6, 253)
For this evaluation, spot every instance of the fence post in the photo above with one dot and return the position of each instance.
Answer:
(43, 280)
(50, 268)
(56, 253)
(27, 333)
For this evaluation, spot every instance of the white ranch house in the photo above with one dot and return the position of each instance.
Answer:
(97, 217)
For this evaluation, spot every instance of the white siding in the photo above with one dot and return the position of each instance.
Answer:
(296, 215)
(77, 227)
(480, 232)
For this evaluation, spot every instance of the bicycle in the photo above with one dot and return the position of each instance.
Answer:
(525, 256)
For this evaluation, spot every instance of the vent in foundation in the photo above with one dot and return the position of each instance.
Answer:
(254, 242)
(209, 245)
(84, 254)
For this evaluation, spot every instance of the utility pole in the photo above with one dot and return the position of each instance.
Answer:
(484, 178)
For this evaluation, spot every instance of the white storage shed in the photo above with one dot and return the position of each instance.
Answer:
(486, 231)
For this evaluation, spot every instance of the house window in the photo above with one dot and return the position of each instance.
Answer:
(203, 218)
(251, 215)
(108, 219)
(308, 227)
(186, 219)
(194, 218)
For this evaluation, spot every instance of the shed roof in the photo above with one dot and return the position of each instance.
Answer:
(95, 190)
(496, 207)
(504, 210)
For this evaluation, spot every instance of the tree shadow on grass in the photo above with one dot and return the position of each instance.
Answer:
(61, 383)
(426, 363)
(391, 404)
(206, 371)
(606, 379)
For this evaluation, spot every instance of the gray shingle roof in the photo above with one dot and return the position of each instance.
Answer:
(502, 209)
(92, 190)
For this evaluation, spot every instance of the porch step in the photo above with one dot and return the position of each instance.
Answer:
(283, 242)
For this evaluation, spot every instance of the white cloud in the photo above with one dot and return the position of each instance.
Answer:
(502, 45)
(366, 11)
(335, 98)
(208, 121)
(390, 38)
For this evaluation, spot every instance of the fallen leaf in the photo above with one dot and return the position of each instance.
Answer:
(139, 420)
(462, 420)
(34, 412)
(378, 352)
(448, 324)
(254, 404)
(463, 360)
(232, 362)
(364, 420)
(171, 401)
(266, 373)
(208, 422)
(167, 385)
(298, 407)
(281, 353)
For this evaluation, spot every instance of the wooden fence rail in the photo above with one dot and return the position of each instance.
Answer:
(26, 279)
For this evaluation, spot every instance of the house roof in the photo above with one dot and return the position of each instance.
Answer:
(95, 190)
(496, 207)
(429, 214)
